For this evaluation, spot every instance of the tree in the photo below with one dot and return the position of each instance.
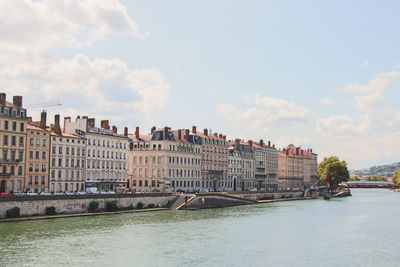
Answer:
(375, 178)
(396, 177)
(337, 170)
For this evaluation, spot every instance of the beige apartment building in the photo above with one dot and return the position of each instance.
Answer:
(37, 156)
(68, 160)
(13, 122)
(164, 160)
(214, 162)
(297, 167)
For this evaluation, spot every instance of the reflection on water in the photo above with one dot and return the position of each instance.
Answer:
(294, 233)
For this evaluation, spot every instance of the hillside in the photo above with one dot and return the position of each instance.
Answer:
(384, 170)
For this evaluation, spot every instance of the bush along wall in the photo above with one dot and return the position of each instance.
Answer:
(12, 213)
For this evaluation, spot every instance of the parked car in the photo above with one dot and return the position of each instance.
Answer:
(92, 190)
(31, 194)
(5, 195)
(111, 192)
(80, 192)
(59, 193)
(44, 193)
(253, 190)
(69, 193)
(18, 193)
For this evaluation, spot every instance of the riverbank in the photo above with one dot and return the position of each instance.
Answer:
(226, 204)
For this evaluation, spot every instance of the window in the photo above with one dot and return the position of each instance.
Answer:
(60, 150)
(31, 141)
(43, 154)
(36, 167)
(22, 127)
(37, 141)
(31, 154)
(5, 140)
(37, 154)
(59, 174)
(43, 180)
(44, 142)
(36, 179)
(19, 170)
(14, 126)
(73, 151)
(53, 162)
(5, 125)
(67, 151)
(59, 162)
(53, 174)
(21, 141)
(30, 179)
(13, 140)
(43, 167)
(67, 163)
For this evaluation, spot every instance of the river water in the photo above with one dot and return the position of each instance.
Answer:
(362, 230)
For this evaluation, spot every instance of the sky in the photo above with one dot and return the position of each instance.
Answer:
(316, 74)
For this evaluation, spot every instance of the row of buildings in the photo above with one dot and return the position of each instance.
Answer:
(36, 157)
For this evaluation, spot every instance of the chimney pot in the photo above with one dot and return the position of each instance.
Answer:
(43, 117)
(137, 132)
(194, 129)
(3, 99)
(251, 143)
(57, 128)
(179, 134)
(261, 142)
(205, 132)
(114, 129)
(166, 133)
(17, 101)
(153, 129)
(126, 131)
(187, 135)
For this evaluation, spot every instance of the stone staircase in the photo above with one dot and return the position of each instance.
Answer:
(180, 201)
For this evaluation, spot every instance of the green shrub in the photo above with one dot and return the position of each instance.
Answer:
(151, 206)
(93, 206)
(140, 205)
(111, 206)
(12, 213)
(267, 198)
(50, 211)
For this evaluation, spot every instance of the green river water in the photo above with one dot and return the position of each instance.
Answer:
(362, 230)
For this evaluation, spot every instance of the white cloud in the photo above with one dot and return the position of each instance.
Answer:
(378, 84)
(30, 30)
(265, 113)
(326, 101)
(38, 25)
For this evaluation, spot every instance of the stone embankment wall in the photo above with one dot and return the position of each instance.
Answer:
(216, 200)
(260, 195)
(69, 204)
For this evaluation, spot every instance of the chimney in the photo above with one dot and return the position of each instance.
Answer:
(311, 150)
(269, 143)
(224, 137)
(57, 128)
(43, 120)
(114, 129)
(153, 129)
(105, 124)
(17, 101)
(165, 133)
(137, 132)
(251, 143)
(220, 136)
(237, 143)
(179, 134)
(194, 129)
(29, 119)
(78, 117)
(91, 122)
(297, 151)
(273, 146)
(2, 98)
(261, 142)
(126, 131)
(187, 135)
(215, 134)
(84, 117)
(205, 132)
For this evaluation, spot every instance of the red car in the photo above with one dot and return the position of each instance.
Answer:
(5, 195)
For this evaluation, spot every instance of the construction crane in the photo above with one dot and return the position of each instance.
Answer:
(45, 105)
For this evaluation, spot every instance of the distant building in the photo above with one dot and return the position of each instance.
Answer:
(13, 122)
(68, 160)
(37, 156)
(297, 167)
(235, 169)
(164, 160)
(107, 152)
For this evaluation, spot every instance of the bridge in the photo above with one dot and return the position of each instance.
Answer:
(360, 184)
